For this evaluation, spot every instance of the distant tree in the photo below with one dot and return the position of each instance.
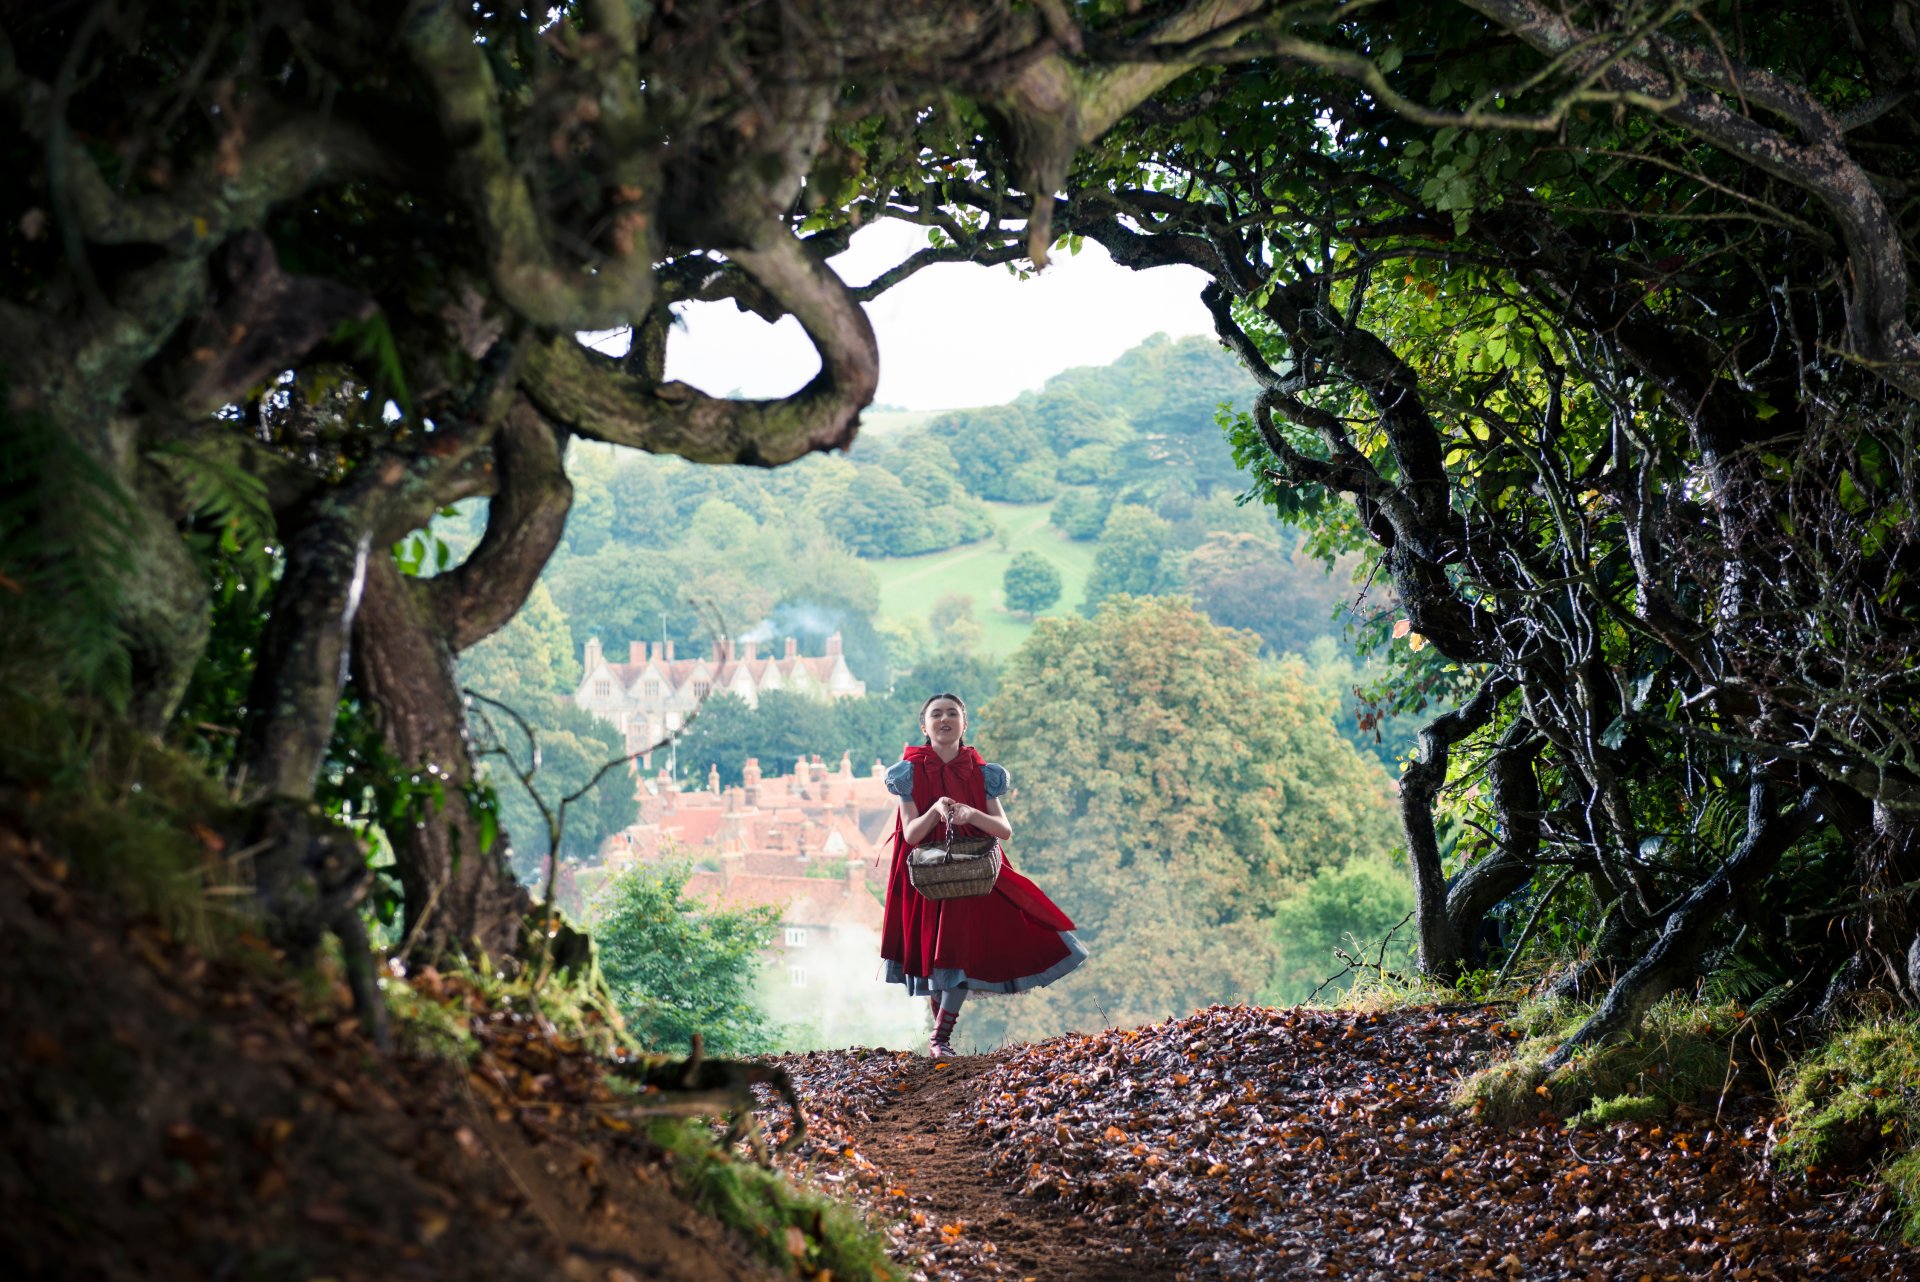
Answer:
(1081, 513)
(1352, 906)
(1089, 464)
(725, 733)
(573, 745)
(973, 677)
(591, 520)
(955, 631)
(1134, 557)
(1031, 583)
(678, 966)
(1249, 581)
(875, 728)
(783, 728)
(906, 641)
(619, 596)
(1172, 790)
(1007, 454)
(532, 656)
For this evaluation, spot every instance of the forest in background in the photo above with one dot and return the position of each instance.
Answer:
(1128, 462)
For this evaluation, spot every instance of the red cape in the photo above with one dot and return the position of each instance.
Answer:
(1010, 934)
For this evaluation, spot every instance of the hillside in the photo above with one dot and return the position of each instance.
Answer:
(911, 586)
(172, 1110)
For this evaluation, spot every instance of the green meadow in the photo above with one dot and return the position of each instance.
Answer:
(910, 585)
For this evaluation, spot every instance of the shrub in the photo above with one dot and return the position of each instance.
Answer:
(1684, 1051)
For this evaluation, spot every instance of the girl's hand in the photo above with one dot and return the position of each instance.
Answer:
(960, 814)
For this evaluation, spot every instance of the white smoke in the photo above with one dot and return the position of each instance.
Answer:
(802, 619)
(843, 1001)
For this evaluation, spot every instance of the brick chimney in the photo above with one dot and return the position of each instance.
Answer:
(793, 648)
(669, 652)
(750, 782)
(833, 645)
(753, 648)
(636, 652)
(593, 653)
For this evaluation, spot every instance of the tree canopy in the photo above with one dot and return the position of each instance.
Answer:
(1591, 326)
(285, 283)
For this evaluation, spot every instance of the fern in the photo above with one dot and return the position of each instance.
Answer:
(1721, 824)
(232, 520)
(67, 534)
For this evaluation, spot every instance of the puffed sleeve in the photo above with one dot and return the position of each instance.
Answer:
(996, 780)
(900, 779)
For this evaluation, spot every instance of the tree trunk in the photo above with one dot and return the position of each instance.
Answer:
(460, 896)
(1510, 865)
(1442, 950)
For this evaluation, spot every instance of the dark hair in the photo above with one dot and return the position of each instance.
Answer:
(933, 699)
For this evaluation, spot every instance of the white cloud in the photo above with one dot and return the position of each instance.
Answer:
(955, 334)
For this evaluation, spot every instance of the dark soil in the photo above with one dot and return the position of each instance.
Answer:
(169, 1114)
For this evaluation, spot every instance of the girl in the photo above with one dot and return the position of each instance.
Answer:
(1007, 941)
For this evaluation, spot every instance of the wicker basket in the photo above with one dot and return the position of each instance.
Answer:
(959, 868)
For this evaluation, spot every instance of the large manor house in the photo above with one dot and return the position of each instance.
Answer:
(810, 842)
(651, 696)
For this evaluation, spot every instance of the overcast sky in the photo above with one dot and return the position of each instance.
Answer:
(953, 335)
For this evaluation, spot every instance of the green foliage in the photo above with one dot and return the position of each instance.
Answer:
(1031, 584)
(1623, 1108)
(1172, 791)
(138, 819)
(68, 545)
(1351, 907)
(1256, 582)
(1856, 1098)
(1135, 557)
(572, 746)
(766, 1208)
(531, 658)
(677, 966)
(1082, 513)
(955, 630)
(428, 1028)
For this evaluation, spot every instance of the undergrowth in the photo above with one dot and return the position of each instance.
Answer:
(1856, 1099)
(134, 818)
(1686, 1053)
(793, 1228)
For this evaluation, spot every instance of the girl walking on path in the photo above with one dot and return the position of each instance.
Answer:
(1006, 941)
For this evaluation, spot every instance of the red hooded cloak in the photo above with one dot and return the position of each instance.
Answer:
(997, 939)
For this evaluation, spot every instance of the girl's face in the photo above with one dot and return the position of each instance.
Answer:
(944, 722)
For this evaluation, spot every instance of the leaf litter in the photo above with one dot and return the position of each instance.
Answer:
(1246, 1142)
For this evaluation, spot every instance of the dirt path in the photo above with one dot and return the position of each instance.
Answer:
(947, 1166)
(909, 1139)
